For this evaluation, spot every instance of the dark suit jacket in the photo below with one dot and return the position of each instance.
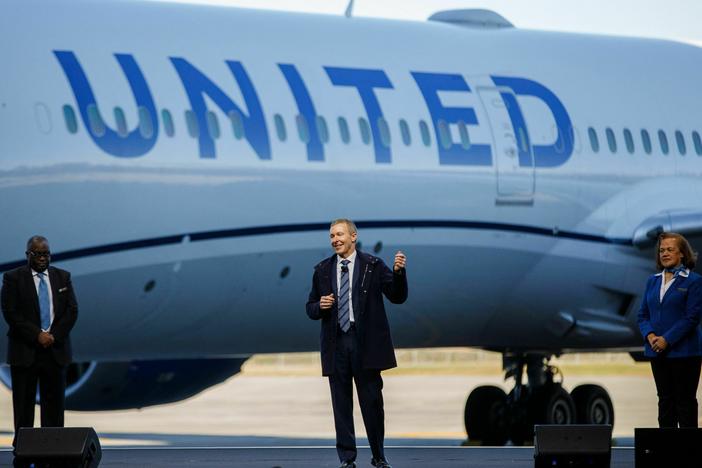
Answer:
(676, 318)
(371, 279)
(20, 307)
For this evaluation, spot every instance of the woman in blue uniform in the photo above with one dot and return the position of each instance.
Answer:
(669, 320)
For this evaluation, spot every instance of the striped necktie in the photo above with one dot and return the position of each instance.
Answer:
(44, 306)
(344, 317)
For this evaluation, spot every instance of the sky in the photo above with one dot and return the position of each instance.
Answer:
(666, 19)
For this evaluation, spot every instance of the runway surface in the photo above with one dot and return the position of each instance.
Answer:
(272, 410)
(286, 421)
(322, 457)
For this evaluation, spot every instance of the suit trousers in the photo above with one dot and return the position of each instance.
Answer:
(369, 386)
(676, 384)
(52, 384)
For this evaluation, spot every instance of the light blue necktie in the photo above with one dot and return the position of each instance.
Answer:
(344, 317)
(44, 306)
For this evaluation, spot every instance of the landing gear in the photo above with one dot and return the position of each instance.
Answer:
(593, 405)
(486, 415)
(493, 417)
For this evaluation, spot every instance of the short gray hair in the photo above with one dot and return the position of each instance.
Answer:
(350, 224)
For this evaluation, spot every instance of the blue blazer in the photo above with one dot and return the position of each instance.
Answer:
(676, 318)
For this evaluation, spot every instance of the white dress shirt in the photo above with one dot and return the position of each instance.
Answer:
(352, 259)
(37, 280)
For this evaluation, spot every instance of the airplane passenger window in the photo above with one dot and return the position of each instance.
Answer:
(697, 142)
(629, 141)
(594, 141)
(167, 122)
(302, 129)
(384, 131)
(344, 130)
(322, 129)
(559, 138)
(97, 126)
(663, 139)
(237, 124)
(405, 132)
(611, 140)
(280, 127)
(465, 138)
(646, 140)
(424, 131)
(523, 140)
(146, 125)
(365, 130)
(212, 125)
(191, 122)
(444, 134)
(680, 140)
(69, 115)
(121, 122)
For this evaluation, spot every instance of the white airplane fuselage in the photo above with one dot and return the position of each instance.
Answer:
(519, 235)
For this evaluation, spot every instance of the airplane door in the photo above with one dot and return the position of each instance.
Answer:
(514, 159)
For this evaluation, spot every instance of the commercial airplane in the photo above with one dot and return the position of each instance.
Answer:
(185, 161)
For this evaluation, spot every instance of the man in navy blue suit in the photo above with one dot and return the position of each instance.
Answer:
(40, 308)
(347, 296)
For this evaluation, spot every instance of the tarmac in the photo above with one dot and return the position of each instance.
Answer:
(286, 421)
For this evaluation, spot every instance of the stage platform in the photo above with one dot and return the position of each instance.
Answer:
(323, 457)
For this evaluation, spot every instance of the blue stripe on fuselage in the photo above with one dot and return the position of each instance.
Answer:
(309, 227)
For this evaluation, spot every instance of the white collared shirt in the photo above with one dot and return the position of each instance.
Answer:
(35, 275)
(352, 262)
(664, 286)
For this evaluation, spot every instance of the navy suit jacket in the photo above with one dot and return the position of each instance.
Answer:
(371, 280)
(20, 307)
(676, 318)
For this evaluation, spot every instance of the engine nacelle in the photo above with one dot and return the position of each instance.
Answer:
(101, 386)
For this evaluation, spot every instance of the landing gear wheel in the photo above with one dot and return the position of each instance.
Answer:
(592, 405)
(485, 415)
(553, 405)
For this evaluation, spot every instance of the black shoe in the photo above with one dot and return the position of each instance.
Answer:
(348, 464)
(380, 463)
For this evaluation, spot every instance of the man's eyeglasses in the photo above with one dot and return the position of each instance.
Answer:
(38, 254)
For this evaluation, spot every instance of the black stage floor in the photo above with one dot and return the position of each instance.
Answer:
(322, 457)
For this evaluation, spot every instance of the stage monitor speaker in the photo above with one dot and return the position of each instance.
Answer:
(679, 448)
(575, 445)
(57, 447)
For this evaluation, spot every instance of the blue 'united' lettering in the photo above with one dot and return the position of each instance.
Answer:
(367, 82)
